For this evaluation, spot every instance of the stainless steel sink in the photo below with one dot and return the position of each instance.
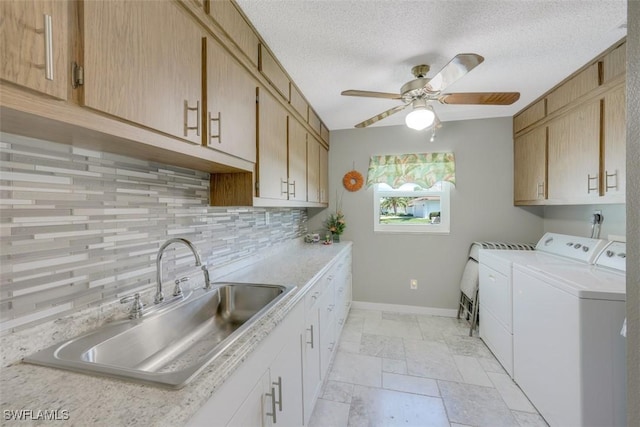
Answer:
(171, 345)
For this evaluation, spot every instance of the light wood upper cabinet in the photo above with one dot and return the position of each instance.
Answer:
(574, 153)
(529, 116)
(614, 142)
(225, 13)
(313, 169)
(272, 148)
(34, 45)
(230, 104)
(297, 178)
(324, 175)
(530, 152)
(298, 102)
(270, 68)
(143, 63)
(614, 63)
(579, 85)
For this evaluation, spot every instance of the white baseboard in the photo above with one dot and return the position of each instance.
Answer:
(411, 309)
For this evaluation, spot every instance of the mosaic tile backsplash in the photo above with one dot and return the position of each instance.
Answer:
(82, 227)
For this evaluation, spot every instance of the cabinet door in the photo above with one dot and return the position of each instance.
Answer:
(143, 63)
(312, 380)
(254, 409)
(272, 148)
(313, 170)
(286, 377)
(34, 45)
(231, 104)
(615, 138)
(233, 23)
(324, 175)
(574, 155)
(297, 161)
(529, 164)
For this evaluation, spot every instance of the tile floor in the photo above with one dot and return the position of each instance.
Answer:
(395, 369)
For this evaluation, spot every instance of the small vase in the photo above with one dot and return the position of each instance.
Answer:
(336, 238)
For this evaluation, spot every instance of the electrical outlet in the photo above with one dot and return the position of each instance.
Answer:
(413, 283)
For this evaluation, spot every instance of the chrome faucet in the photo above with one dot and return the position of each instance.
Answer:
(159, 295)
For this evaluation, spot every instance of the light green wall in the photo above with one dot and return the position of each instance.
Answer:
(481, 203)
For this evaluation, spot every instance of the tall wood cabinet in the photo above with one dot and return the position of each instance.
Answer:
(297, 178)
(142, 63)
(614, 145)
(230, 119)
(569, 146)
(272, 180)
(574, 152)
(34, 45)
(530, 160)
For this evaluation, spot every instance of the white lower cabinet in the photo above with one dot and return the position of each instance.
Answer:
(280, 382)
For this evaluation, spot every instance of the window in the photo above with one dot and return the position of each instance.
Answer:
(411, 192)
(411, 208)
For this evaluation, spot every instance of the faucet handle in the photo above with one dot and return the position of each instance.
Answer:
(177, 290)
(136, 308)
(207, 281)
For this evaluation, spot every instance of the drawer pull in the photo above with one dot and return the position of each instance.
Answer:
(48, 47)
(188, 128)
(218, 119)
(272, 414)
(310, 329)
(608, 187)
(279, 401)
(589, 179)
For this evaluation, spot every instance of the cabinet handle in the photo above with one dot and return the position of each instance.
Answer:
(294, 188)
(286, 185)
(219, 120)
(589, 179)
(272, 414)
(197, 127)
(540, 190)
(607, 187)
(279, 401)
(48, 47)
(310, 329)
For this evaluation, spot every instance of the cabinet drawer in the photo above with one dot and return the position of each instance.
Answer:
(324, 133)
(495, 294)
(583, 83)
(270, 68)
(614, 63)
(314, 121)
(298, 102)
(529, 116)
(224, 12)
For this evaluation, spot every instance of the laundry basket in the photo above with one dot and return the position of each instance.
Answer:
(468, 306)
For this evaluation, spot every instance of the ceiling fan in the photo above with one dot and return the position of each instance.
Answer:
(422, 91)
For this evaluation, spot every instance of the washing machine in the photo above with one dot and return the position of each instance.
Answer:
(568, 353)
(496, 284)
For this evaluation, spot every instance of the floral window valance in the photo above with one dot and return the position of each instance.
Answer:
(424, 169)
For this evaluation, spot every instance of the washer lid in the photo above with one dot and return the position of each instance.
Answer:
(584, 281)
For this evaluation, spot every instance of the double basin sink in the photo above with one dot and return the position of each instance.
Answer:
(172, 344)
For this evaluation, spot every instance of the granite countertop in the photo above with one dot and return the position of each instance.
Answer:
(82, 400)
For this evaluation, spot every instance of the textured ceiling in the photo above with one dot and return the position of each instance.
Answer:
(529, 46)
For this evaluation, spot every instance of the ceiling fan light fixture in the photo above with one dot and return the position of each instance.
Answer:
(421, 117)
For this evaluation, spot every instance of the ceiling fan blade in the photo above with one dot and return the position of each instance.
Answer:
(369, 94)
(460, 65)
(381, 116)
(482, 98)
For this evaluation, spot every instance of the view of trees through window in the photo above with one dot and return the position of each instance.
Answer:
(410, 210)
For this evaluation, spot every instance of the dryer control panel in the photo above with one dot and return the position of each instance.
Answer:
(578, 248)
(614, 256)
